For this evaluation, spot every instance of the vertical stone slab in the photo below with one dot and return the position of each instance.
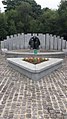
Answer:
(15, 42)
(42, 40)
(6, 44)
(47, 41)
(18, 41)
(10, 41)
(2, 44)
(55, 43)
(21, 38)
(27, 38)
(59, 44)
(51, 42)
(64, 44)
(58, 37)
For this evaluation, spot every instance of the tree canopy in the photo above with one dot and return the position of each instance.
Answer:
(27, 16)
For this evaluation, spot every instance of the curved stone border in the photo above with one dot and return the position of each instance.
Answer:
(10, 54)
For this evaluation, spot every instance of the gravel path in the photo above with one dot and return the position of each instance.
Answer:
(21, 98)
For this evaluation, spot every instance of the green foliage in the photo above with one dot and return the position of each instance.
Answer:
(3, 26)
(49, 20)
(34, 24)
(27, 16)
(20, 27)
(62, 11)
(11, 27)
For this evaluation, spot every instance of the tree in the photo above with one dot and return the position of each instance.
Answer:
(11, 27)
(19, 27)
(49, 20)
(11, 4)
(35, 26)
(24, 11)
(27, 16)
(62, 11)
(3, 26)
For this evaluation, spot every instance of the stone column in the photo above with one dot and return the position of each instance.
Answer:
(15, 42)
(21, 39)
(51, 42)
(27, 38)
(2, 44)
(42, 41)
(55, 42)
(64, 44)
(47, 41)
(10, 42)
(59, 43)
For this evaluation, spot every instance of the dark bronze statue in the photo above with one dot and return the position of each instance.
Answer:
(34, 42)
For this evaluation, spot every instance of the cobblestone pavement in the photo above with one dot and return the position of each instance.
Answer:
(21, 98)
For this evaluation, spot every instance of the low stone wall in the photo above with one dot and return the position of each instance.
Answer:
(21, 41)
(35, 72)
(10, 54)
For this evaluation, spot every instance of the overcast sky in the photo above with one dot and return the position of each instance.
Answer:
(52, 4)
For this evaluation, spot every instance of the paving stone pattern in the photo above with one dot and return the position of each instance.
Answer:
(22, 98)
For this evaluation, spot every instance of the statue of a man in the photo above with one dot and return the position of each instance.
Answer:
(34, 42)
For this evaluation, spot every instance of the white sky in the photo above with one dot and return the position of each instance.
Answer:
(52, 4)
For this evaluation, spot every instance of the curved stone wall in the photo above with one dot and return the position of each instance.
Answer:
(21, 41)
